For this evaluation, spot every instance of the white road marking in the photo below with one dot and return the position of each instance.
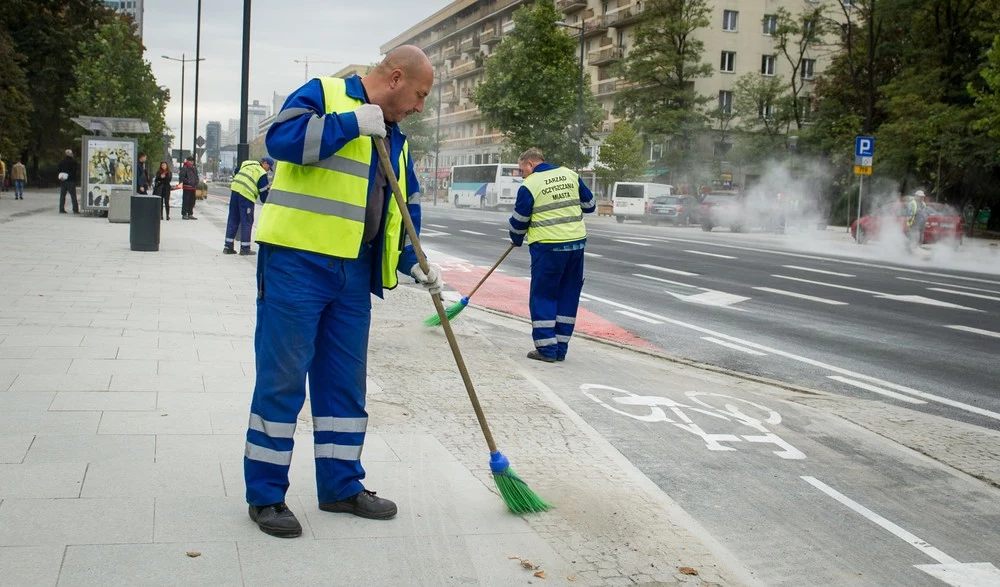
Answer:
(472, 232)
(674, 271)
(709, 254)
(872, 388)
(823, 271)
(661, 280)
(595, 255)
(436, 225)
(426, 232)
(812, 362)
(735, 347)
(974, 330)
(793, 294)
(632, 243)
(504, 229)
(948, 569)
(638, 317)
(964, 293)
(993, 291)
(878, 294)
(711, 297)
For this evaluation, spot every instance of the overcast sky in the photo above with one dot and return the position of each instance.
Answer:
(281, 32)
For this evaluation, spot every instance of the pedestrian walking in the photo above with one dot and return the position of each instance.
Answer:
(20, 177)
(142, 175)
(188, 177)
(549, 210)
(3, 174)
(67, 176)
(249, 184)
(331, 236)
(161, 187)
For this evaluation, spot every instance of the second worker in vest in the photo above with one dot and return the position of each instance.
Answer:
(331, 236)
(549, 210)
(249, 184)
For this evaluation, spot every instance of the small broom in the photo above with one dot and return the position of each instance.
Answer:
(515, 492)
(455, 309)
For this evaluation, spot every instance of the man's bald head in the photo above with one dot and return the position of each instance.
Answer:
(401, 82)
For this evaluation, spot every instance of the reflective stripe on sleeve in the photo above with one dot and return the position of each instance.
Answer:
(290, 114)
(520, 218)
(313, 140)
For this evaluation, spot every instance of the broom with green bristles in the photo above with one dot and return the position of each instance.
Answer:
(515, 492)
(455, 309)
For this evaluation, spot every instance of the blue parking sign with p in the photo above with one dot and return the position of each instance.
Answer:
(864, 147)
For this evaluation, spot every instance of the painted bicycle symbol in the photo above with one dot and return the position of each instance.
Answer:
(734, 410)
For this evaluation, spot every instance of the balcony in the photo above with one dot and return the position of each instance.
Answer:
(469, 44)
(624, 16)
(449, 97)
(460, 115)
(608, 88)
(436, 59)
(464, 69)
(450, 52)
(570, 6)
(605, 55)
(594, 25)
(490, 36)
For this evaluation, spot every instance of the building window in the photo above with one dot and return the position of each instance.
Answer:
(729, 20)
(808, 69)
(621, 39)
(767, 65)
(765, 110)
(770, 24)
(806, 104)
(728, 64)
(726, 102)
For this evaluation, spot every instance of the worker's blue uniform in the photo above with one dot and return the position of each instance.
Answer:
(313, 317)
(241, 210)
(556, 274)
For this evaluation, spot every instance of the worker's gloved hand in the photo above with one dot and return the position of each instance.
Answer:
(431, 280)
(370, 120)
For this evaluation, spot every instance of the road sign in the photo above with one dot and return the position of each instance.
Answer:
(864, 146)
(862, 170)
(864, 161)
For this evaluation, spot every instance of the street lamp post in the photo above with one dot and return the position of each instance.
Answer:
(579, 100)
(243, 150)
(197, 76)
(183, 61)
(437, 142)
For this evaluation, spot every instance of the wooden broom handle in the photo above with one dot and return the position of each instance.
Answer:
(492, 269)
(438, 304)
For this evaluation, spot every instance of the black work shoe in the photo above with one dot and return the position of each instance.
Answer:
(561, 359)
(364, 504)
(276, 520)
(228, 251)
(192, 217)
(540, 357)
(247, 253)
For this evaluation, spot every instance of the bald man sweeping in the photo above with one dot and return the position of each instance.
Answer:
(330, 236)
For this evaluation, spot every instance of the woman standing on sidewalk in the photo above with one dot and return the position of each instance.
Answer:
(161, 187)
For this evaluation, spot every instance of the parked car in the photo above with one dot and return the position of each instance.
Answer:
(629, 199)
(722, 209)
(944, 224)
(676, 210)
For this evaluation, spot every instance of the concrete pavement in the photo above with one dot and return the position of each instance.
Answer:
(125, 380)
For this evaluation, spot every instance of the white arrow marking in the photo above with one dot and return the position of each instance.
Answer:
(817, 271)
(793, 294)
(664, 269)
(949, 570)
(472, 232)
(872, 388)
(886, 296)
(964, 293)
(733, 346)
(974, 330)
(711, 297)
(709, 254)
(661, 280)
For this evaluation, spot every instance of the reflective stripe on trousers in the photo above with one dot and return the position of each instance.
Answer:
(556, 283)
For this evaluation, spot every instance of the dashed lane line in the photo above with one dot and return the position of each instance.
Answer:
(709, 254)
(733, 346)
(823, 271)
(974, 330)
(793, 294)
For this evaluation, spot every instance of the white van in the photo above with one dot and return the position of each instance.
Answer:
(630, 200)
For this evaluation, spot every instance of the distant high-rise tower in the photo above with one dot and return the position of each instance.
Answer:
(256, 113)
(213, 139)
(132, 8)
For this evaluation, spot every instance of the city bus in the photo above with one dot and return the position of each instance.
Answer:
(492, 185)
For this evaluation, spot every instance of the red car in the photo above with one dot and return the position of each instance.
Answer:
(943, 224)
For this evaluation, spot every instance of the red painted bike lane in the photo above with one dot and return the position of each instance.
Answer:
(510, 295)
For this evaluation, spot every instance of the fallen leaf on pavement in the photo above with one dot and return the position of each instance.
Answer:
(571, 578)
(527, 564)
(540, 574)
(688, 571)
(194, 554)
(510, 558)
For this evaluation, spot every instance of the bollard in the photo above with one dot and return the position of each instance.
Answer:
(144, 230)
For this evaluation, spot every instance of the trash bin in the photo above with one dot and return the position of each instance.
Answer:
(120, 205)
(144, 231)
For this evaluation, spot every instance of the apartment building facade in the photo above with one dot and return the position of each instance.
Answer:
(460, 37)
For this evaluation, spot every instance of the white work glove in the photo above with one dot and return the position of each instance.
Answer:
(370, 120)
(431, 280)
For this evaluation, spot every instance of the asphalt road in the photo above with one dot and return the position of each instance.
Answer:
(809, 308)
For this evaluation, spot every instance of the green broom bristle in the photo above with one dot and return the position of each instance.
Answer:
(519, 498)
(451, 311)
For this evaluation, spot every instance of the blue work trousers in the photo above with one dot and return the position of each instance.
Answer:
(313, 315)
(556, 283)
(240, 221)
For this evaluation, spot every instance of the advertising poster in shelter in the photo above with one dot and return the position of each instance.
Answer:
(109, 163)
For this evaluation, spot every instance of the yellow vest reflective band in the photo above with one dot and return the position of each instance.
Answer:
(321, 207)
(556, 216)
(245, 181)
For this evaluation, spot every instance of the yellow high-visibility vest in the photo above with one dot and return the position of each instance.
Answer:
(245, 181)
(321, 207)
(556, 216)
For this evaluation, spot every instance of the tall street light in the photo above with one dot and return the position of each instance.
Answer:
(579, 100)
(183, 61)
(243, 150)
(197, 76)
(437, 139)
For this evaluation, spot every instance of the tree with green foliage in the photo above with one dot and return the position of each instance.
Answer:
(798, 38)
(659, 75)
(762, 104)
(15, 112)
(531, 84)
(113, 80)
(421, 128)
(622, 155)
